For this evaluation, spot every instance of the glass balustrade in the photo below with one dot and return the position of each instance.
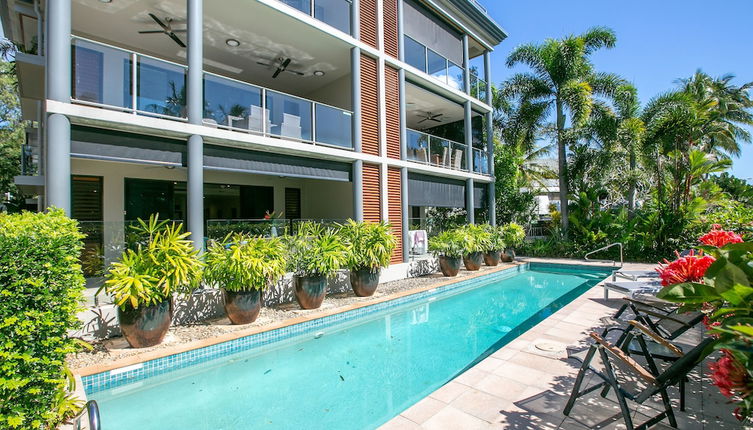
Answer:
(480, 161)
(427, 149)
(478, 88)
(104, 76)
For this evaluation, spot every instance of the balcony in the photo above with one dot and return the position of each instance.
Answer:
(435, 151)
(434, 64)
(114, 78)
(336, 13)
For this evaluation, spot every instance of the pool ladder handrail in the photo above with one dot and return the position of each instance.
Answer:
(604, 248)
(92, 410)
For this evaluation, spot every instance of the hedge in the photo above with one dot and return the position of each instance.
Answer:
(41, 287)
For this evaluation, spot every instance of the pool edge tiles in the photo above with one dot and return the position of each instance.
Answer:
(138, 371)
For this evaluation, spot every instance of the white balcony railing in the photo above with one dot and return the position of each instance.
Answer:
(436, 151)
(113, 78)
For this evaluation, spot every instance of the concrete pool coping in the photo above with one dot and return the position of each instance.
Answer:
(314, 315)
(523, 386)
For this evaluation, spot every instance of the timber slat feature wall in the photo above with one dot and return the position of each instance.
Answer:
(392, 111)
(369, 106)
(368, 22)
(372, 206)
(391, 45)
(394, 209)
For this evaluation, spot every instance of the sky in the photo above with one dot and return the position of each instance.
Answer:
(658, 41)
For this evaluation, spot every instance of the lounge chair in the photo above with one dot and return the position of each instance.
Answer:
(634, 275)
(662, 317)
(632, 288)
(631, 381)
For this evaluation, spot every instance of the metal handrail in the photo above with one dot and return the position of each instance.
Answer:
(614, 263)
(92, 410)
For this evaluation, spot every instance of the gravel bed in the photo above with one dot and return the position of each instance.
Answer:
(109, 350)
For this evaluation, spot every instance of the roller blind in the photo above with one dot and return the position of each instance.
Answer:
(424, 27)
(424, 190)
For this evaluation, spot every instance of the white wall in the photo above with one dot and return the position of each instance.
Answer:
(337, 94)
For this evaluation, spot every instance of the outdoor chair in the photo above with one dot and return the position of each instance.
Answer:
(635, 275)
(662, 317)
(632, 288)
(630, 380)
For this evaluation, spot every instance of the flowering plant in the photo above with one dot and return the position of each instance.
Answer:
(720, 283)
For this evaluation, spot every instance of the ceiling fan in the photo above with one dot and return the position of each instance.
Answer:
(429, 116)
(167, 28)
(281, 65)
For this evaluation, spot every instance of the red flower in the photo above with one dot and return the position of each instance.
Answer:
(718, 237)
(730, 376)
(690, 268)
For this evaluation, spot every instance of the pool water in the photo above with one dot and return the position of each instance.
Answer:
(354, 376)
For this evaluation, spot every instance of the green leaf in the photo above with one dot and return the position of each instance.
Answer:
(729, 275)
(689, 293)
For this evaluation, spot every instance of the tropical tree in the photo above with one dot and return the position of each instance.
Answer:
(562, 79)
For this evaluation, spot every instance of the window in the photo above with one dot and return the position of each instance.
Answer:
(292, 203)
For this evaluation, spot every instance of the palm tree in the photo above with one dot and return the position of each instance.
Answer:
(562, 79)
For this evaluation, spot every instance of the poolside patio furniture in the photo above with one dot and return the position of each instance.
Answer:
(629, 379)
(663, 318)
(632, 288)
(291, 126)
(634, 275)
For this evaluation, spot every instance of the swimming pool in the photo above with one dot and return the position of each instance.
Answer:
(349, 371)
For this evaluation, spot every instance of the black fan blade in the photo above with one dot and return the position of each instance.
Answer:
(263, 64)
(295, 72)
(281, 68)
(176, 39)
(159, 22)
(423, 120)
(151, 31)
(434, 119)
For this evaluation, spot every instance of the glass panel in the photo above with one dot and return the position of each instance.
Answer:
(418, 146)
(228, 103)
(481, 91)
(161, 87)
(334, 12)
(302, 5)
(458, 157)
(415, 54)
(101, 74)
(334, 126)
(456, 77)
(474, 85)
(480, 162)
(290, 117)
(441, 152)
(437, 66)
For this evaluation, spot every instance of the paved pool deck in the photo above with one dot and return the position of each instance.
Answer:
(521, 386)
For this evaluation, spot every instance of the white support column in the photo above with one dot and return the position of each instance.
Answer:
(466, 65)
(195, 108)
(469, 201)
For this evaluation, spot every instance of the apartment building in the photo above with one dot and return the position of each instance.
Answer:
(214, 111)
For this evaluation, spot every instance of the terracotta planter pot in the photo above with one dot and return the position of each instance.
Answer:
(449, 265)
(473, 260)
(310, 291)
(242, 307)
(364, 282)
(492, 258)
(146, 325)
(506, 257)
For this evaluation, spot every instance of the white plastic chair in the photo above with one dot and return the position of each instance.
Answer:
(291, 126)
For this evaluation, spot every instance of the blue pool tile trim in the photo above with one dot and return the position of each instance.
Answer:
(134, 373)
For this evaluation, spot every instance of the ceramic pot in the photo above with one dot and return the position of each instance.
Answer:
(473, 260)
(310, 290)
(146, 325)
(364, 281)
(242, 307)
(491, 258)
(449, 265)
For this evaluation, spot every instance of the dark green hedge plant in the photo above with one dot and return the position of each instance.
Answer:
(41, 286)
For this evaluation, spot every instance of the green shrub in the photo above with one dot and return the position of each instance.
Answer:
(316, 251)
(449, 243)
(496, 241)
(244, 263)
(370, 244)
(513, 235)
(475, 238)
(167, 263)
(41, 287)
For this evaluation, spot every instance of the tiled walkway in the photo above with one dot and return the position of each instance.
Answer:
(521, 386)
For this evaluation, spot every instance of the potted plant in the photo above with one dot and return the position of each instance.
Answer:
(475, 242)
(513, 236)
(494, 246)
(143, 282)
(448, 247)
(243, 267)
(316, 254)
(370, 247)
